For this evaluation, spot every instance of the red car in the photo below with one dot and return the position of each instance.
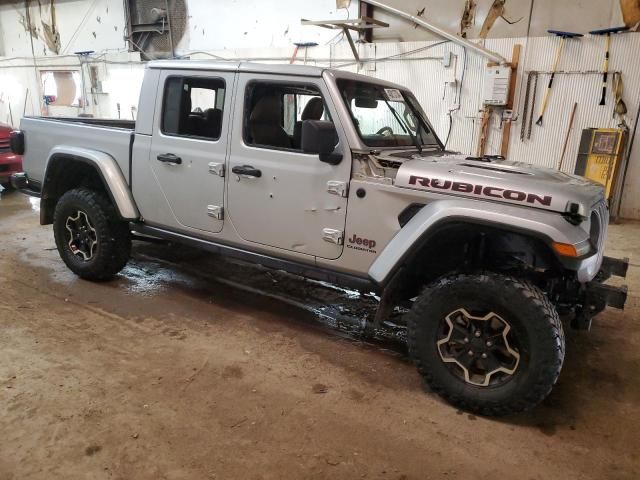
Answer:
(9, 162)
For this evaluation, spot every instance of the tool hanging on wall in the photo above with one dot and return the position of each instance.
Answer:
(529, 104)
(525, 107)
(607, 47)
(620, 108)
(26, 97)
(563, 37)
(566, 138)
(10, 113)
(533, 104)
(305, 45)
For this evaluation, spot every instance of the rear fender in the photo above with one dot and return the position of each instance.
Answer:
(107, 169)
(547, 226)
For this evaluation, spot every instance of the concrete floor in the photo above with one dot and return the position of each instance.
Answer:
(173, 371)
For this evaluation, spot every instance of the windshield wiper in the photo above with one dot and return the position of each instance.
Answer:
(405, 127)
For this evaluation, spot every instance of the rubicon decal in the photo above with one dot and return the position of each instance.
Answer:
(358, 243)
(481, 190)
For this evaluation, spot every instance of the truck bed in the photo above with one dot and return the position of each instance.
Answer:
(45, 133)
(99, 122)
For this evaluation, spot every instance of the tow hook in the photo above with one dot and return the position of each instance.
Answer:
(597, 295)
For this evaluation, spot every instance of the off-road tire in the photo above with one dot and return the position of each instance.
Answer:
(113, 236)
(533, 319)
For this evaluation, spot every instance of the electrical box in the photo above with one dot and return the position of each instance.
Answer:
(496, 85)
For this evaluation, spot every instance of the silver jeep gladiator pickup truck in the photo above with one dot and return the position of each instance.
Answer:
(339, 177)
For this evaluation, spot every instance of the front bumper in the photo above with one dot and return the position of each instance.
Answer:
(9, 164)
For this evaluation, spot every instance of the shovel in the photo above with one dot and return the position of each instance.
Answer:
(605, 69)
(563, 36)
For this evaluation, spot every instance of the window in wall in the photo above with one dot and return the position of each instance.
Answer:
(61, 88)
(274, 113)
(193, 107)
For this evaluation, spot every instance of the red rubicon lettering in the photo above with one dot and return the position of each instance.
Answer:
(442, 185)
(488, 191)
(533, 198)
(462, 187)
(484, 190)
(514, 195)
(419, 180)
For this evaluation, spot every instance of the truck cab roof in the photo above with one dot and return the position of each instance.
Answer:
(238, 66)
(265, 68)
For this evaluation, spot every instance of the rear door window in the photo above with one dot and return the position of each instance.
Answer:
(193, 107)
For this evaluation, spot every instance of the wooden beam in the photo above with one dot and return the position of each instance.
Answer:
(506, 126)
(366, 11)
(484, 131)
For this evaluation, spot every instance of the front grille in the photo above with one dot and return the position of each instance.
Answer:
(599, 227)
(4, 145)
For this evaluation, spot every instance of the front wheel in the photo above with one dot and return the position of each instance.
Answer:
(488, 343)
(91, 240)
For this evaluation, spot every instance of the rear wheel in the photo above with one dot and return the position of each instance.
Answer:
(90, 238)
(487, 343)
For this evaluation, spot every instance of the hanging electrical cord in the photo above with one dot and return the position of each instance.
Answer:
(396, 55)
(200, 52)
(346, 9)
(336, 38)
(518, 97)
(82, 22)
(458, 97)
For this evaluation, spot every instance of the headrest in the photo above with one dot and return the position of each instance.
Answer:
(313, 110)
(213, 114)
(266, 110)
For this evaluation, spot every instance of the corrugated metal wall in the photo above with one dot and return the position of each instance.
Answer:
(426, 75)
(419, 66)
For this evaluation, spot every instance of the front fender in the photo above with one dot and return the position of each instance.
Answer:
(108, 170)
(548, 226)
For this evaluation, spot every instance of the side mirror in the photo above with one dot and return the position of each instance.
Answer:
(320, 137)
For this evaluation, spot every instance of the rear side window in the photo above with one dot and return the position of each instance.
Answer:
(193, 107)
(274, 113)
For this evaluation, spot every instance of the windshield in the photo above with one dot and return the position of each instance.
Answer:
(386, 117)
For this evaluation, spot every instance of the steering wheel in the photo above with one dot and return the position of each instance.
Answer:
(382, 131)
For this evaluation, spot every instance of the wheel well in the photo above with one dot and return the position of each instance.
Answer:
(466, 247)
(63, 174)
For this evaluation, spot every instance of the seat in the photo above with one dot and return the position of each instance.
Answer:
(313, 110)
(212, 123)
(186, 119)
(264, 123)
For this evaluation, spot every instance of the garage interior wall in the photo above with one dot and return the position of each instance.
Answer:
(412, 58)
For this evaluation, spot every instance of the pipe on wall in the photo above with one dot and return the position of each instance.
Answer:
(463, 42)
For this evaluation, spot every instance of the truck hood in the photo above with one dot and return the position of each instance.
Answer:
(494, 179)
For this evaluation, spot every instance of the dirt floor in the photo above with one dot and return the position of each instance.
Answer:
(188, 366)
